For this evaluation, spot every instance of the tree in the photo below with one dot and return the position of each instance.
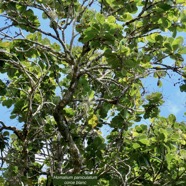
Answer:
(73, 67)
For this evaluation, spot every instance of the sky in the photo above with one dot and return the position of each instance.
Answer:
(175, 100)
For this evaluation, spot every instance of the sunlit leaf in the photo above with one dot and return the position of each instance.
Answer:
(93, 121)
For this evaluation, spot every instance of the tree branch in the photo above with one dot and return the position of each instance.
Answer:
(17, 132)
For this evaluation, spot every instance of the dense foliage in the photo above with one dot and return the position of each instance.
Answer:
(74, 68)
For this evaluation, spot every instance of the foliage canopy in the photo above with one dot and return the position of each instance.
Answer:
(76, 67)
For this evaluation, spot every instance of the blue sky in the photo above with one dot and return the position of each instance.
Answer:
(175, 100)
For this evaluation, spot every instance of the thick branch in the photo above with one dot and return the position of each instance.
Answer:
(17, 132)
(62, 123)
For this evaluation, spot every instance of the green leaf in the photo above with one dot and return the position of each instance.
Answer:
(11, 72)
(46, 41)
(111, 19)
(169, 158)
(8, 103)
(100, 18)
(91, 96)
(69, 111)
(127, 16)
(159, 38)
(136, 145)
(90, 34)
(174, 32)
(182, 50)
(144, 141)
(56, 47)
(183, 88)
(117, 121)
(164, 134)
(183, 153)
(56, 99)
(2, 88)
(131, 7)
(19, 104)
(168, 46)
(104, 110)
(44, 16)
(177, 42)
(110, 2)
(181, 2)
(164, 6)
(141, 128)
(165, 23)
(159, 83)
(6, 133)
(155, 97)
(5, 44)
(183, 16)
(153, 37)
(160, 73)
(13, 116)
(180, 183)
(172, 118)
(93, 121)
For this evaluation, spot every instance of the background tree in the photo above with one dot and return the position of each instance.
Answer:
(73, 67)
